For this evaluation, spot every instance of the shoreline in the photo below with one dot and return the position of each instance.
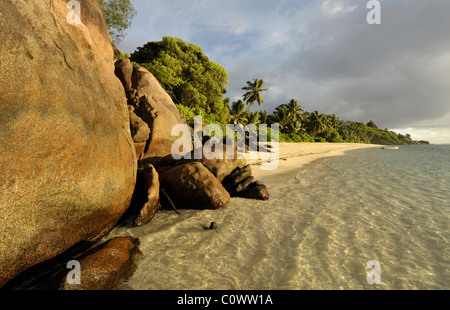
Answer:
(294, 156)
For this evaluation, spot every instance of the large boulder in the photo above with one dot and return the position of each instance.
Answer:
(193, 186)
(155, 107)
(106, 266)
(139, 129)
(139, 132)
(124, 71)
(255, 191)
(161, 116)
(223, 166)
(67, 160)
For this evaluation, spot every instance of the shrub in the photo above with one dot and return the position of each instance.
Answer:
(320, 139)
(187, 75)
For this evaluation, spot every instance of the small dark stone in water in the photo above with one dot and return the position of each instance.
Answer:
(213, 226)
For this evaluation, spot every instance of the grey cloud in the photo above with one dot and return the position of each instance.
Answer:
(396, 73)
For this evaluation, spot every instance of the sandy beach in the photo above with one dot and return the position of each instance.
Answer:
(293, 156)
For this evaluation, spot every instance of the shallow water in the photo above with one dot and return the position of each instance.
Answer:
(318, 231)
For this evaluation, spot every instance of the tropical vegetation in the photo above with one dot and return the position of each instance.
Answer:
(188, 76)
(197, 86)
(119, 15)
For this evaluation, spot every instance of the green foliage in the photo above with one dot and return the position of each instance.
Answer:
(297, 125)
(119, 15)
(295, 110)
(292, 137)
(332, 135)
(404, 139)
(307, 138)
(253, 92)
(357, 132)
(190, 112)
(187, 75)
(197, 87)
(320, 139)
(289, 117)
(253, 118)
(237, 112)
(317, 123)
(122, 56)
(271, 135)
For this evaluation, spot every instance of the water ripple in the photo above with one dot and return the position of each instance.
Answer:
(318, 231)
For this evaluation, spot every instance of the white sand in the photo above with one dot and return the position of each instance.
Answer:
(293, 156)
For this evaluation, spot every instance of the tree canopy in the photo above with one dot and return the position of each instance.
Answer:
(186, 73)
(119, 15)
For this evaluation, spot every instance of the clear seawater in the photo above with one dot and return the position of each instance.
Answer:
(318, 231)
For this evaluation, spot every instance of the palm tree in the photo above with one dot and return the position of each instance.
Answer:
(316, 124)
(253, 118)
(253, 93)
(294, 126)
(264, 117)
(280, 117)
(327, 121)
(237, 112)
(335, 122)
(295, 110)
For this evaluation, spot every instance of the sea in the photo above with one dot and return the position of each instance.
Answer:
(372, 219)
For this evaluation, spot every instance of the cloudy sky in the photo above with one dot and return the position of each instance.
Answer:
(322, 53)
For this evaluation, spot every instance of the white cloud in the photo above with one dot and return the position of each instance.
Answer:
(336, 7)
(331, 7)
(433, 135)
(239, 30)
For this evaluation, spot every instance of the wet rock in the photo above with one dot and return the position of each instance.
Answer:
(244, 184)
(237, 176)
(255, 191)
(212, 226)
(107, 266)
(193, 186)
(151, 188)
